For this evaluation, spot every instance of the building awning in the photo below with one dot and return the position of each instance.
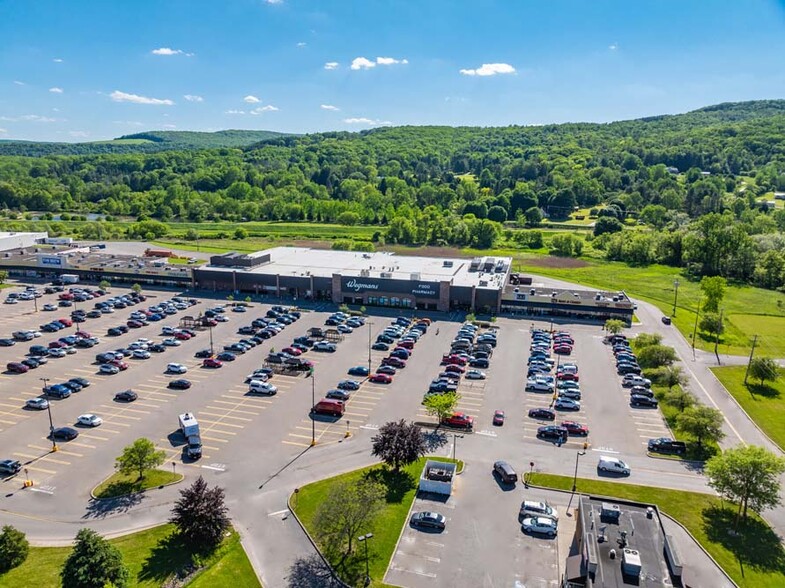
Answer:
(574, 569)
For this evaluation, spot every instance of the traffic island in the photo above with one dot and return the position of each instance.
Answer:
(119, 484)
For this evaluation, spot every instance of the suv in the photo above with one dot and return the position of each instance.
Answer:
(459, 419)
(667, 445)
(531, 508)
(505, 472)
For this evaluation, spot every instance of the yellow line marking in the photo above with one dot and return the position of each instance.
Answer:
(37, 469)
(86, 445)
(60, 451)
(89, 436)
(226, 416)
(215, 439)
(296, 444)
(218, 422)
(38, 458)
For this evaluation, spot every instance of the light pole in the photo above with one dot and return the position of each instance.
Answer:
(455, 438)
(313, 403)
(49, 411)
(370, 324)
(695, 328)
(364, 539)
(578, 454)
(675, 295)
(212, 351)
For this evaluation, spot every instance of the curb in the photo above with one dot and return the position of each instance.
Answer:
(663, 513)
(159, 487)
(676, 459)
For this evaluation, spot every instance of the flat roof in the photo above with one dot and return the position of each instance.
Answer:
(644, 534)
(20, 233)
(303, 261)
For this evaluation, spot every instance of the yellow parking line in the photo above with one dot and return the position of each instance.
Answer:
(226, 416)
(238, 406)
(37, 469)
(233, 404)
(356, 401)
(214, 439)
(166, 394)
(108, 421)
(39, 458)
(297, 444)
(9, 405)
(357, 414)
(89, 436)
(147, 386)
(85, 445)
(122, 410)
(7, 422)
(60, 451)
(16, 398)
(218, 422)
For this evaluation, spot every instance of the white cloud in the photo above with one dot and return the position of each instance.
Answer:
(489, 69)
(366, 121)
(329, 107)
(169, 126)
(250, 99)
(56, 110)
(331, 65)
(80, 134)
(57, 60)
(28, 118)
(193, 98)
(169, 51)
(128, 123)
(56, 90)
(18, 83)
(266, 108)
(362, 63)
(273, 1)
(119, 96)
(302, 44)
(3, 130)
(391, 61)
(613, 46)
(233, 111)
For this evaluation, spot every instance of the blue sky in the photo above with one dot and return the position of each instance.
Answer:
(82, 70)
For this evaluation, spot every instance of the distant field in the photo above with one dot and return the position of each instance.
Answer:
(122, 142)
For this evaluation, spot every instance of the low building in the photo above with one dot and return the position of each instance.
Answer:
(369, 279)
(437, 477)
(574, 304)
(619, 543)
(15, 240)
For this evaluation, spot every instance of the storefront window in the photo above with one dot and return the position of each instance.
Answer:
(383, 301)
(395, 301)
(406, 303)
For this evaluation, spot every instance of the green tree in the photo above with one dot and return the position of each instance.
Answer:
(645, 340)
(191, 235)
(497, 214)
(680, 398)
(764, 368)
(139, 457)
(673, 375)
(441, 405)
(533, 216)
(136, 288)
(713, 289)
(14, 548)
(702, 422)
(748, 475)
(654, 356)
(3, 276)
(93, 563)
(104, 285)
(240, 233)
(348, 509)
(614, 326)
(710, 323)
(607, 224)
(398, 443)
(200, 516)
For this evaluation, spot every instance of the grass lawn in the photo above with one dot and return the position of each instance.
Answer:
(401, 489)
(754, 558)
(184, 261)
(765, 404)
(671, 413)
(153, 557)
(122, 484)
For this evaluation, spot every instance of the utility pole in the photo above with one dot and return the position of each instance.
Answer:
(370, 324)
(49, 411)
(675, 296)
(717, 337)
(313, 403)
(747, 372)
(695, 328)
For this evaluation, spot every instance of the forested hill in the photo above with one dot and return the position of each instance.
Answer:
(147, 142)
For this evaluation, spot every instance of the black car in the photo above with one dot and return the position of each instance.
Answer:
(442, 386)
(126, 396)
(639, 400)
(203, 353)
(545, 414)
(73, 386)
(349, 385)
(31, 362)
(385, 339)
(552, 432)
(432, 520)
(179, 384)
(226, 356)
(7, 342)
(479, 362)
(667, 445)
(156, 348)
(83, 382)
(379, 346)
(64, 434)
(642, 391)
(246, 330)
(10, 466)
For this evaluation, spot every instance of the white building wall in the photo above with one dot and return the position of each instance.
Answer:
(15, 240)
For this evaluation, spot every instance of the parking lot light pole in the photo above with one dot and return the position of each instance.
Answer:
(49, 411)
(370, 324)
(455, 438)
(675, 295)
(578, 454)
(313, 403)
(364, 539)
(212, 351)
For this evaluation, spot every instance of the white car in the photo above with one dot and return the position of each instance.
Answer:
(563, 403)
(344, 329)
(325, 346)
(221, 318)
(475, 375)
(538, 386)
(89, 420)
(262, 377)
(260, 387)
(56, 353)
(171, 342)
(176, 368)
(108, 368)
(541, 525)
(37, 403)
(167, 330)
(141, 354)
(144, 341)
(50, 307)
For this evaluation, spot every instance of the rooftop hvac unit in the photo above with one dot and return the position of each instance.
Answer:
(385, 275)
(483, 283)
(414, 277)
(447, 263)
(475, 264)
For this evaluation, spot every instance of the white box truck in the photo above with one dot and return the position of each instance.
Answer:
(190, 430)
(69, 278)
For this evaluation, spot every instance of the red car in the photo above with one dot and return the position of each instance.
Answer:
(569, 376)
(121, 365)
(395, 362)
(66, 296)
(455, 369)
(132, 324)
(56, 345)
(210, 322)
(17, 368)
(562, 349)
(293, 351)
(83, 334)
(65, 322)
(458, 419)
(380, 378)
(498, 418)
(182, 336)
(453, 359)
(406, 344)
(574, 428)
(212, 363)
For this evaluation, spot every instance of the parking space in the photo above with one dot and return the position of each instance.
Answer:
(483, 543)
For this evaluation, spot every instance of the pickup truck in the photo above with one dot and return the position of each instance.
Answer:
(667, 445)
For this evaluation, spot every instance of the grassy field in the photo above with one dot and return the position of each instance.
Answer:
(119, 484)
(754, 558)
(401, 489)
(671, 413)
(153, 557)
(765, 404)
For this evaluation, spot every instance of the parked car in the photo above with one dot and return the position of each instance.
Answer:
(541, 525)
(176, 368)
(9, 467)
(475, 375)
(431, 520)
(108, 368)
(179, 384)
(667, 445)
(552, 433)
(37, 403)
(574, 428)
(16, 367)
(640, 400)
(325, 346)
(532, 508)
(498, 418)
(535, 385)
(505, 472)
(459, 420)
(126, 396)
(338, 394)
(563, 403)
(358, 370)
(349, 385)
(64, 434)
(90, 420)
(212, 363)
(545, 414)
(381, 378)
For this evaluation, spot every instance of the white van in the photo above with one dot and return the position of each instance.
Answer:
(613, 465)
